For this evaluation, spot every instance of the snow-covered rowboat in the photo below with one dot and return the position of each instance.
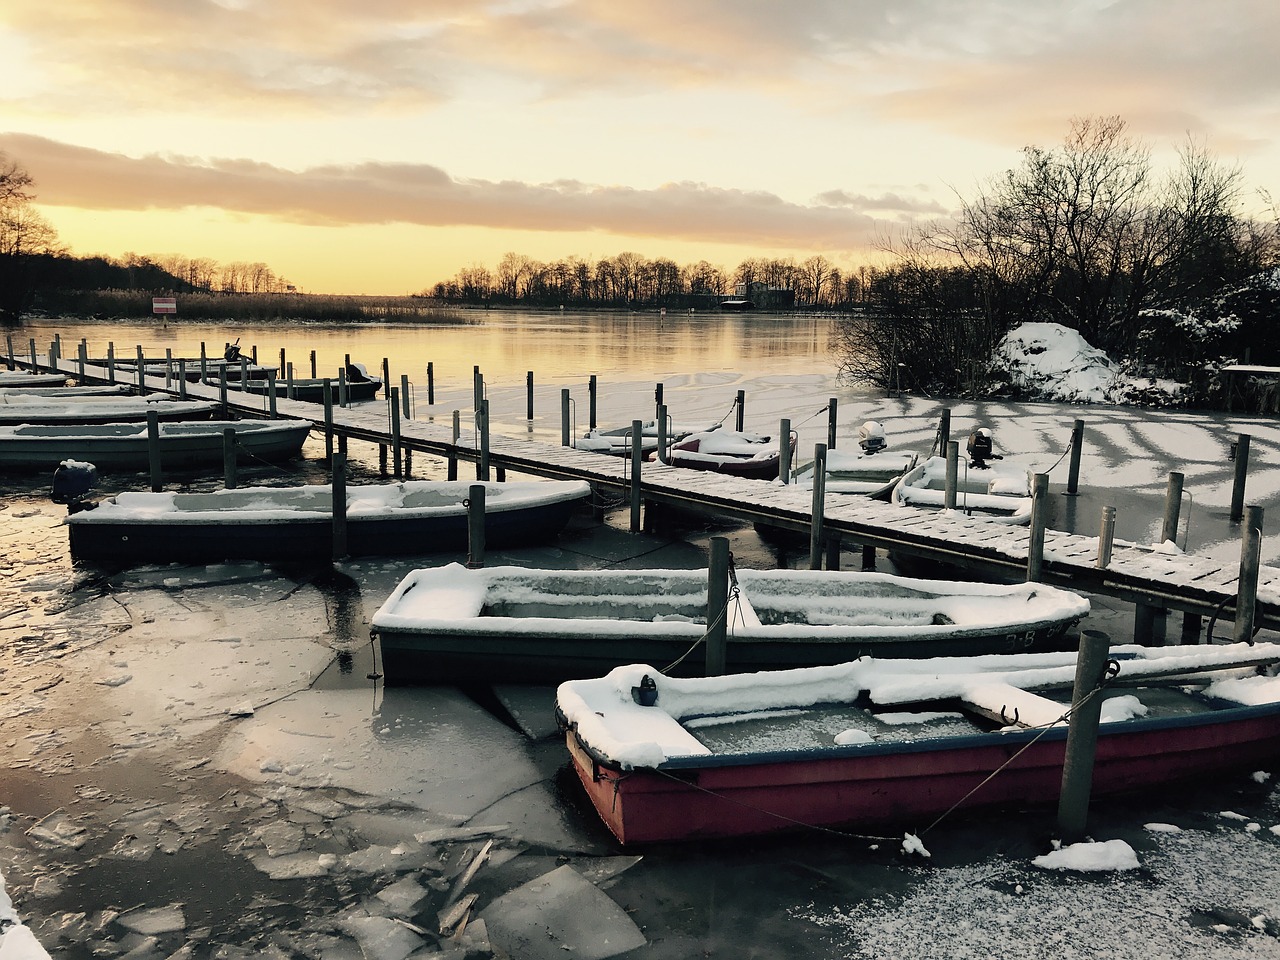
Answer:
(731, 452)
(296, 523)
(18, 408)
(873, 743)
(510, 623)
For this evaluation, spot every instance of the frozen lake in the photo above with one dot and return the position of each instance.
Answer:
(200, 763)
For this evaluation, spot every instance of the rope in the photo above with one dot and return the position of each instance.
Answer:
(733, 596)
(1064, 452)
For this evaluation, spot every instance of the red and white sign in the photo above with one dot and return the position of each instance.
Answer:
(164, 304)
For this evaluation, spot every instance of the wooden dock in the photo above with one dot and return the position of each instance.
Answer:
(1150, 578)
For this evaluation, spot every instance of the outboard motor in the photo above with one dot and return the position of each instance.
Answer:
(232, 353)
(356, 373)
(871, 437)
(72, 482)
(981, 449)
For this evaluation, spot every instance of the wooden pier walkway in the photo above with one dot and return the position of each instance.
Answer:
(1195, 586)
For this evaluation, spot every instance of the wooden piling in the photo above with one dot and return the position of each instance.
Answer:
(431, 384)
(1082, 735)
(657, 395)
(663, 438)
(717, 606)
(393, 409)
(1073, 470)
(564, 417)
(328, 423)
(475, 526)
(111, 363)
(831, 422)
(819, 504)
(182, 378)
(952, 451)
(1250, 562)
(637, 436)
(453, 450)
(482, 421)
(1039, 521)
(338, 482)
(313, 364)
(528, 395)
(291, 387)
(944, 430)
(593, 388)
(740, 403)
(142, 373)
(1242, 471)
(82, 358)
(405, 411)
(153, 451)
(229, 457)
(344, 393)
(1172, 508)
(784, 450)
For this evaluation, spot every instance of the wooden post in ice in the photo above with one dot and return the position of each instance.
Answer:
(328, 420)
(819, 502)
(142, 373)
(344, 393)
(431, 384)
(657, 395)
(475, 526)
(662, 433)
(338, 486)
(593, 391)
(397, 454)
(272, 400)
(82, 357)
(637, 437)
(1082, 735)
(8, 352)
(1242, 471)
(313, 364)
(222, 390)
(405, 412)
(153, 451)
(111, 363)
(741, 403)
(453, 450)
(1039, 521)
(1073, 471)
(564, 417)
(528, 395)
(244, 371)
(31, 343)
(784, 450)
(944, 431)
(482, 421)
(952, 452)
(229, 457)
(1250, 561)
(717, 606)
(291, 387)
(182, 378)
(284, 367)
(831, 423)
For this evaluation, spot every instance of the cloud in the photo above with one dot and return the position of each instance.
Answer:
(374, 193)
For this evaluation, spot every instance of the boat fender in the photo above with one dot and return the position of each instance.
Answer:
(647, 693)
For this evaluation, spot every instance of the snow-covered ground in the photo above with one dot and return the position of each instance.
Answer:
(199, 762)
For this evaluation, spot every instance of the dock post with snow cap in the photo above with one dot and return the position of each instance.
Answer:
(717, 606)
(1082, 735)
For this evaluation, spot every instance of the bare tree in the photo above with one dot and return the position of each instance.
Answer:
(27, 240)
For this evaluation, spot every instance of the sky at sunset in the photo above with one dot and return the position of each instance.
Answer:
(377, 147)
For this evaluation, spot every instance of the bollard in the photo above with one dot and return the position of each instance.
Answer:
(1242, 470)
(431, 384)
(1106, 537)
(453, 450)
(328, 421)
(1172, 508)
(475, 526)
(528, 395)
(663, 454)
(717, 606)
(1082, 735)
(868, 557)
(153, 450)
(393, 408)
(1073, 471)
(482, 421)
(564, 417)
(477, 387)
(204, 365)
(1250, 561)
(592, 388)
(229, 457)
(784, 450)
(1039, 519)
(637, 436)
(831, 422)
(338, 488)
(953, 474)
(386, 374)
(819, 505)
(741, 403)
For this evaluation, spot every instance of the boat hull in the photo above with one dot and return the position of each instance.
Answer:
(66, 411)
(312, 391)
(96, 536)
(124, 447)
(911, 787)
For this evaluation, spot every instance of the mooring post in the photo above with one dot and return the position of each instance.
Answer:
(386, 373)
(431, 384)
(833, 553)
(663, 439)
(564, 417)
(1250, 562)
(818, 505)
(222, 391)
(944, 430)
(383, 470)
(344, 393)
(475, 526)
(784, 450)
(453, 450)
(637, 436)
(338, 486)
(328, 421)
(204, 365)
(397, 453)
(1073, 470)
(593, 390)
(313, 364)
(717, 606)
(284, 368)
(482, 421)
(741, 403)
(528, 395)
(168, 368)
(229, 457)
(405, 411)
(272, 399)
(111, 362)
(153, 451)
(31, 343)
(1242, 470)
(868, 557)
(1039, 520)
(8, 352)
(244, 371)
(291, 386)
(831, 422)
(82, 358)
(952, 480)
(1082, 735)
(1106, 537)
(477, 387)
(182, 378)
(142, 373)
(1172, 508)
(657, 395)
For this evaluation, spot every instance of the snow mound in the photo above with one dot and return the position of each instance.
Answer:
(1050, 361)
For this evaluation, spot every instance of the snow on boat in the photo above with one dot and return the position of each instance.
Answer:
(729, 452)
(509, 623)
(617, 440)
(870, 471)
(360, 386)
(876, 743)
(17, 408)
(21, 379)
(123, 446)
(85, 390)
(986, 483)
(296, 523)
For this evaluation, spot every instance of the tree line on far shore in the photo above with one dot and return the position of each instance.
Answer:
(1162, 271)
